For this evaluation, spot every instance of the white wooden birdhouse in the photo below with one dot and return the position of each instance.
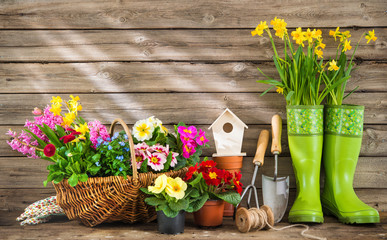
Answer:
(228, 132)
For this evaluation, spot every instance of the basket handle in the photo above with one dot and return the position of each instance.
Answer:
(131, 144)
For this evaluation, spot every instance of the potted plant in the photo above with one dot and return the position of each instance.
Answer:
(80, 150)
(172, 197)
(215, 186)
(305, 81)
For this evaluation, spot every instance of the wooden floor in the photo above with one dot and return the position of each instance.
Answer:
(61, 228)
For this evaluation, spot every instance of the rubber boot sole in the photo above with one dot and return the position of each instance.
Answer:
(350, 219)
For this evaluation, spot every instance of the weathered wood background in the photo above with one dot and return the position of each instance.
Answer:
(180, 61)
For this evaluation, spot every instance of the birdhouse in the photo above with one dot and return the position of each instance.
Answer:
(228, 132)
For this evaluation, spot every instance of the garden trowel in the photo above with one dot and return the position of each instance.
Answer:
(275, 190)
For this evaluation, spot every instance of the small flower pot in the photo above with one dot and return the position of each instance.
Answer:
(167, 225)
(210, 215)
(232, 164)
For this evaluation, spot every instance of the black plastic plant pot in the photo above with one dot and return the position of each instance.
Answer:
(167, 225)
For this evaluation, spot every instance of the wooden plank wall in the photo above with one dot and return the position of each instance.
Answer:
(179, 60)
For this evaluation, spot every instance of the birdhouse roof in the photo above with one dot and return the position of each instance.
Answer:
(229, 111)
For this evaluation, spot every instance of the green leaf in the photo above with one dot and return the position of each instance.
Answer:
(167, 211)
(154, 201)
(73, 180)
(144, 166)
(96, 157)
(40, 141)
(182, 204)
(83, 177)
(231, 197)
(51, 135)
(145, 190)
(60, 130)
(198, 203)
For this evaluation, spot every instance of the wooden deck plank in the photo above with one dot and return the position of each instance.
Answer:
(160, 45)
(191, 108)
(186, 14)
(374, 142)
(60, 228)
(21, 172)
(160, 77)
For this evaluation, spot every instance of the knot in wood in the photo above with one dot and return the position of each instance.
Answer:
(208, 18)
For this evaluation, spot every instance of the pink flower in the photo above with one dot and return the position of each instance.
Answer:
(201, 139)
(140, 157)
(174, 160)
(49, 150)
(142, 148)
(189, 132)
(160, 149)
(37, 111)
(188, 150)
(97, 130)
(156, 161)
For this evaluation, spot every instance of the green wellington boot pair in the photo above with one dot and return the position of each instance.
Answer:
(342, 136)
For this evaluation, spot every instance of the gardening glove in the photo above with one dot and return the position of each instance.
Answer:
(40, 211)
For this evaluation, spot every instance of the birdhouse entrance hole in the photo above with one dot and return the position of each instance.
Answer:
(227, 127)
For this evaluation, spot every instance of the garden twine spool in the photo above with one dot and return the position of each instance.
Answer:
(263, 218)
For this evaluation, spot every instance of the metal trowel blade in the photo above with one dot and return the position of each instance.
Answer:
(276, 195)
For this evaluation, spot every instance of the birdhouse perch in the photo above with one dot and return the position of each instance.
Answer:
(228, 132)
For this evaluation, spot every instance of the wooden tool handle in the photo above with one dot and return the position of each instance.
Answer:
(263, 140)
(276, 130)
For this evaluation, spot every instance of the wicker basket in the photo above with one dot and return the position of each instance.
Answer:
(109, 199)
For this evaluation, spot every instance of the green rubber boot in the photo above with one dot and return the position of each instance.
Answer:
(305, 136)
(342, 142)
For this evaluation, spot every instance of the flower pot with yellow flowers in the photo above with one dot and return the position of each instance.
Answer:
(305, 81)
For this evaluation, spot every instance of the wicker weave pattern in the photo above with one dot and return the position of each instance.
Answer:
(109, 199)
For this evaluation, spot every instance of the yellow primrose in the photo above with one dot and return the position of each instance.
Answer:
(176, 187)
(143, 130)
(333, 66)
(309, 35)
(82, 128)
(160, 184)
(259, 29)
(371, 36)
(55, 109)
(318, 52)
(280, 90)
(347, 45)
(298, 36)
(334, 33)
(56, 100)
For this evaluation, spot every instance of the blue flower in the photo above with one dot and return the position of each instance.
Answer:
(105, 143)
(127, 149)
(120, 158)
(120, 169)
(122, 144)
(99, 140)
(115, 136)
(97, 164)
(110, 147)
(108, 139)
(126, 137)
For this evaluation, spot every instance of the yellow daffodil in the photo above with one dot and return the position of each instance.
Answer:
(55, 109)
(259, 29)
(176, 187)
(334, 33)
(68, 119)
(318, 52)
(280, 90)
(333, 66)
(320, 43)
(279, 25)
(317, 33)
(56, 100)
(160, 184)
(371, 36)
(73, 104)
(298, 36)
(82, 128)
(309, 35)
(347, 45)
(344, 35)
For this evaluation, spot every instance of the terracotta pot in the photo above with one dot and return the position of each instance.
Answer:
(232, 164)
(210, 215)
(229, 163)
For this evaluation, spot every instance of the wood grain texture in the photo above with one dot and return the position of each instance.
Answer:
(160, 77)
(40, 14)
(374, 142)
(21, 172)
(191, 108)
(160, 45)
